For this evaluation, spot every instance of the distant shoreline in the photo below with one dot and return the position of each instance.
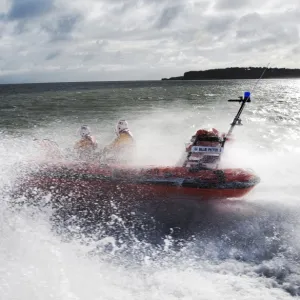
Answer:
(239, 73)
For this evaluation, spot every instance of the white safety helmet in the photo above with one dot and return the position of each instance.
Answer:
(84, 131)
(121, 125)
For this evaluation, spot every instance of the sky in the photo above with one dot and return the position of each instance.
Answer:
(95, 40)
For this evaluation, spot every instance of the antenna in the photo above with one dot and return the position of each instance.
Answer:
(243, 101)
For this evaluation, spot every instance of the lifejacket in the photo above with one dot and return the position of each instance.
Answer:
(86, 147)
(203, 137)
(205, 132)
(124, 139)
(122, 148)
(86, 142)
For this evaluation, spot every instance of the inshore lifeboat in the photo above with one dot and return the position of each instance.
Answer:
(87, 179)
(198, 177)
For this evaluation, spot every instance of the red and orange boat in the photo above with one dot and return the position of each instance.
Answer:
(187, 181)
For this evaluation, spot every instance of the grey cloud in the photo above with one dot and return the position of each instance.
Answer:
(247, 33)
(53, 55)
(88, 57)
(168, 15)
(230, 4)
(287, 36)
(262, 33)
(269, 42)
(251, 20)
(268, 21)
(21, 27)
(184, 36)
(256, 45)
(22, 9)
(101, 43)
(219, 24)
(123, 7)
(296, 50)
(62, 28)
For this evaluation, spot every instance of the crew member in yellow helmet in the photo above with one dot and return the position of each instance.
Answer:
(123, 146)
(87, 145)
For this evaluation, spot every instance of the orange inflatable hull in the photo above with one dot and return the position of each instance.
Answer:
(92, 180)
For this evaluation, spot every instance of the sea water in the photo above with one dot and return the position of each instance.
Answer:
(245, 249)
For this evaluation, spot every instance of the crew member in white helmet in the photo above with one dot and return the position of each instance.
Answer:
(123, 146)
(87, 145)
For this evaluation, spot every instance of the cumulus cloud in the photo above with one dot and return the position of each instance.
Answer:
(57, 40)
(24, 9)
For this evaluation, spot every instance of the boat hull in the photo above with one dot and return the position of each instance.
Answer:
(94, 180)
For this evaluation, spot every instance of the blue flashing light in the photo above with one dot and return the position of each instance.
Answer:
(247, 95)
